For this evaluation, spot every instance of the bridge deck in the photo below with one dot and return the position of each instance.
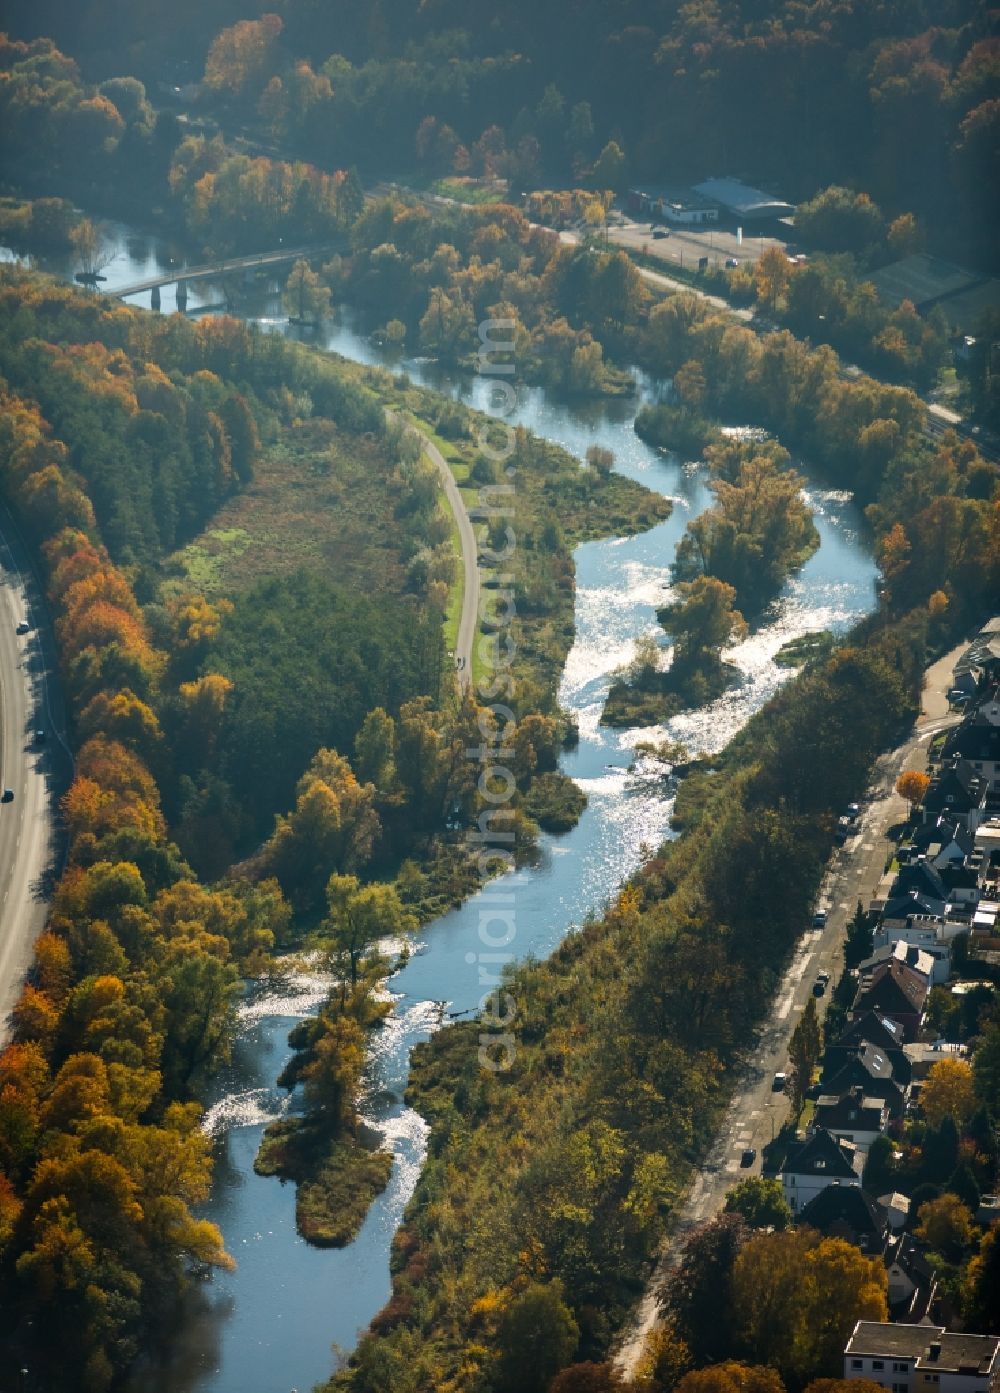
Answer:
(216, 268)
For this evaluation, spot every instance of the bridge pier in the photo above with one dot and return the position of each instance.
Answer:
(182, 296)
(154, 298)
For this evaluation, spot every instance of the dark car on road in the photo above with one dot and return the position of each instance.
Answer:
(748, 1158)
(8, 796)
(819, 919)
(23, 626)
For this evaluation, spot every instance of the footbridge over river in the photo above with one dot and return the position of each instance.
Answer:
(212, 270)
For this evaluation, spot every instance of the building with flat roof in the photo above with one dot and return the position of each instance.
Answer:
(743, 202)
(927, 281)
(674, 204)
(922, 1358)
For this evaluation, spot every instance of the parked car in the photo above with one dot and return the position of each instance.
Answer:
(748, 1158)
(23, 626)
(819, 987)
(8, 796)
(779, 1081)
(819, 919)
(731, 263)
(823, 977)
(814, 1091)
(854, 811)
(660, 232)
(39, 737)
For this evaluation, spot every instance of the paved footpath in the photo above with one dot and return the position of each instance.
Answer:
(756, 1113)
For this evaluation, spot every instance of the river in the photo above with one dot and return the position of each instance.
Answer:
(270, 1326)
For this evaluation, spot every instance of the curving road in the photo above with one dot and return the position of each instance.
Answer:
(470, 561)
(33, 771)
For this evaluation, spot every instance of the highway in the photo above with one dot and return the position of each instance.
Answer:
(35, 772)
(756, 1113)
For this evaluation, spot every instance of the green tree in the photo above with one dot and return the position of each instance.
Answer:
(375, 750)
(701, 621)
(761, 1202)
(946, 1225)
(879, 1176)
(358, 917)
(610, 171)
(804, 1051)
(696, 1295)
(306, 298)
(860, 938)
(536, 1337)
(981, 1293)
(986, 1066)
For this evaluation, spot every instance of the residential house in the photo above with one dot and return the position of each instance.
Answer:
(869, 1069)
(897, 991)
(897, 1209)
(922, 1358)
(957, 790)
(924, 1056)
(846, 1211)
(852, 1116)
(977, 741)
(870, 1029)
(912, 1281)
(932, 961)
(811, 1165)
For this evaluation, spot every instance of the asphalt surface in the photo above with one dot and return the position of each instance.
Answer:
(756, 1113)
(35, 772)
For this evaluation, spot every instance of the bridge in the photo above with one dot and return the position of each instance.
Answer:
(183, 275)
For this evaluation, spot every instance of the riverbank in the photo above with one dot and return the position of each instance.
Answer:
(274, 1318)
(756, 1113)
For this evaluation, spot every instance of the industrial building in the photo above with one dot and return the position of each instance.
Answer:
(744, 203)
(681, 206)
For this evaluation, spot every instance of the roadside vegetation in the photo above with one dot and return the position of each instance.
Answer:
(295, 742)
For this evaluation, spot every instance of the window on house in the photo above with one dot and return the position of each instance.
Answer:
(900, 1388)
(820, 1165)
(898, 1368)
(857, 1363)
(878, 1363)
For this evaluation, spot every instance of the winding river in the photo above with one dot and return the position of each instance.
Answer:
(278, 1321)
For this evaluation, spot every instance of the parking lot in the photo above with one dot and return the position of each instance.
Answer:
(685, 245)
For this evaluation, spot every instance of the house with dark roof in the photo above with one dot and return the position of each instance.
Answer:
(846, 1211)
(932, 960)
(920, 1358)
(869, 1069)
(921, 877)
(912, 1279)
(977, 741)
(811, 1165)
(957, 789)
(870, 1029)
(896, 991)
(854, 1116)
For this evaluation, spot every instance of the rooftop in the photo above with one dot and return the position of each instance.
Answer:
(953, 1352)
(742, 199)
(921, 279)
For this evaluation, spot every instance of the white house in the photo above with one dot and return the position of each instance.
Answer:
(853, 1117)
(922, 1358)
(815, 1163)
